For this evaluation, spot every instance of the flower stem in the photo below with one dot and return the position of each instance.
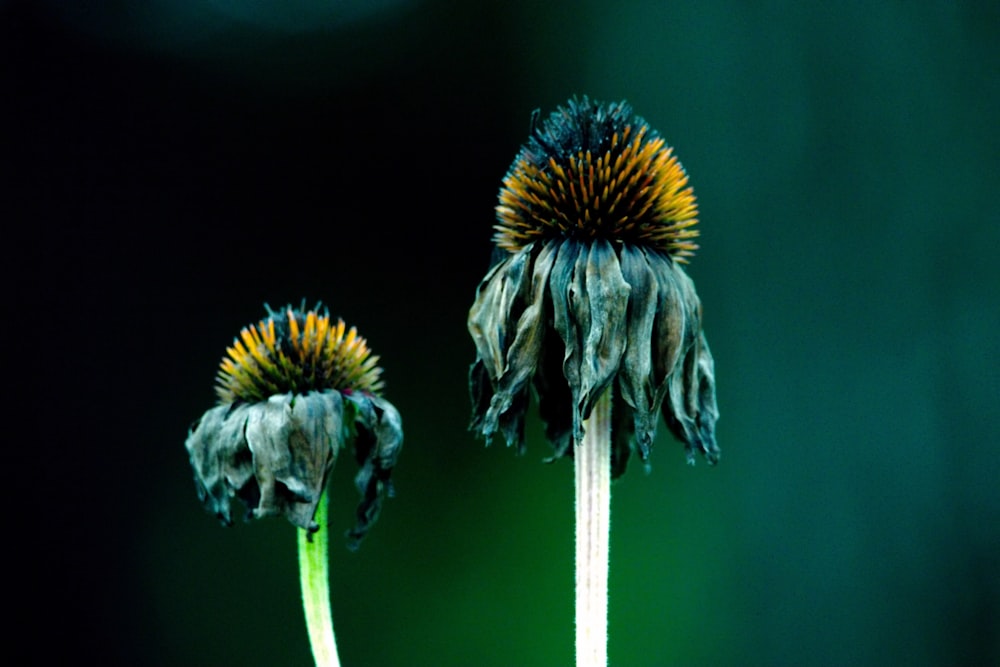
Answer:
(592, 472)
(314, 577)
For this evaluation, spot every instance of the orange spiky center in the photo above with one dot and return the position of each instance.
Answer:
(296, 352)
(636, 191)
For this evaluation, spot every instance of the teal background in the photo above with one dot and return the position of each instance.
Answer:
(171, 165)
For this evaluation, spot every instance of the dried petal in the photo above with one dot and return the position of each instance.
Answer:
(490, 315)
(607, 296)
(377, 445)
(637, 382)
(481, 393)
(622, 436)
(522, 356)
(555, 400)
(691, 412)
(220, 457)
(294, 442)
(568, 318)
(274, 455)
(677, 320)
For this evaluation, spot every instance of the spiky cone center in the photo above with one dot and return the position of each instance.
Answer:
(296, 352)
(626, 187)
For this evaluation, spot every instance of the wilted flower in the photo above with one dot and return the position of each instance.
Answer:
(594, 218)
(293, 391)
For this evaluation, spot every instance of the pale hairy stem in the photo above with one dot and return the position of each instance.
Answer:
(592, 471)
(314, 577)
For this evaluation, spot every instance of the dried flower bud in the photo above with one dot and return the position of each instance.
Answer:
(594, 218)
(293, 391)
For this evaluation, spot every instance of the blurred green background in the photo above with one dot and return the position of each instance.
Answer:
(171, 165)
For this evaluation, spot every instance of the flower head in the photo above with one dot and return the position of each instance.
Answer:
(293, 390)
(595, 217)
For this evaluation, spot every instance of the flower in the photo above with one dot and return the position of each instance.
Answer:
(293, 391)
(595, 218)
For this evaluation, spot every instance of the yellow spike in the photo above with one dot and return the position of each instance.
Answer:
(247, 338)
(270, 338)
(293, 327)
(322, 326)
(311, 321)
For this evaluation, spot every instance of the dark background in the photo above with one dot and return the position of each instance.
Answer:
(171, 165)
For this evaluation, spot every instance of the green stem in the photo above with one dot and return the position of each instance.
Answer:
(592, 472)
(314, 577)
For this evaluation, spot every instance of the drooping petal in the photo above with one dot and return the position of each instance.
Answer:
(220, 457)
(292, 452)
(522, 356)
(237, 462)
(377, 445)
(490, 316)
(555, 401)
(677, 321)
(691, 411)
(565, 282)
(622, 435)
(605, 297)
(708, 409)
(485, 422)
(481, 393)
(316, 436)
(511, 422)
(637, 382)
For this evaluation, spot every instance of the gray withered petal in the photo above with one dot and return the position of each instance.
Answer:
(677, 320)
(293, 440)
(563, 283)
(378, 443)
(203, 445)
(510, 423)
(604, 342)
(220, 457)
(488, 320)
(237, 462)
(681, 348)
(590, 318)
(522, 356)
(708, 409)
(637, 383)
(555, 400)
(622, 435)
(481, 393)
(691, 411)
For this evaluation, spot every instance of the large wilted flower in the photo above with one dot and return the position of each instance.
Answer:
(594, 220)
(294, 390)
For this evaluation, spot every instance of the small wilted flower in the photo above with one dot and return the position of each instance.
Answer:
(293, 391)
(594, 218)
